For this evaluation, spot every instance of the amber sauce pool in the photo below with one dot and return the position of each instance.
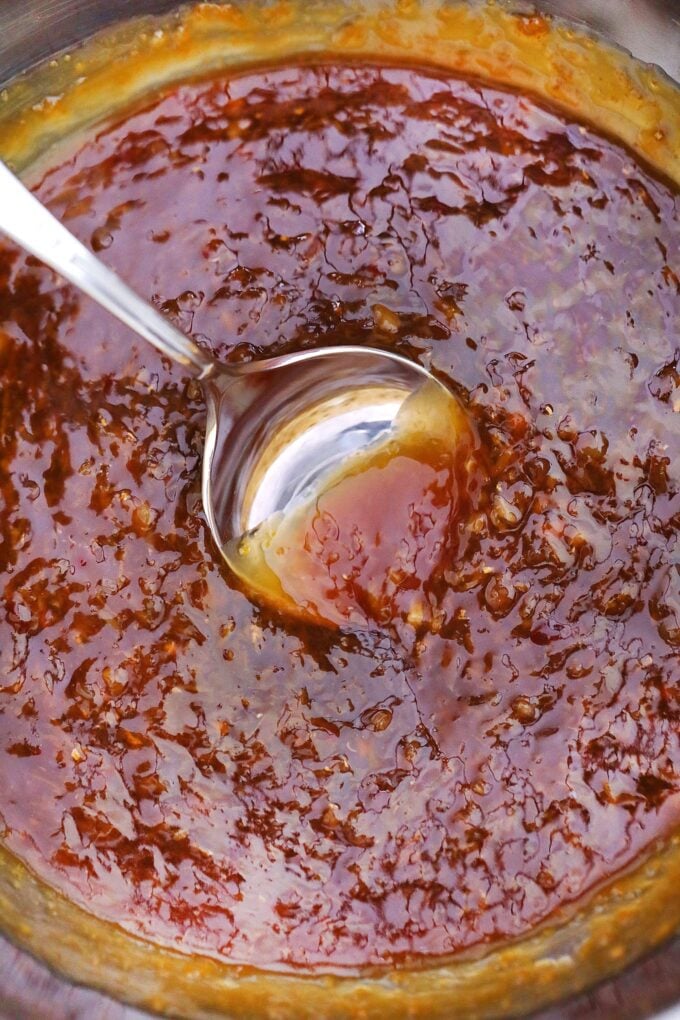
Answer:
(368, 544)
(477, 743)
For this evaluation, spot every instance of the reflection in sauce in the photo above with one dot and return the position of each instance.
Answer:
(370, 544)
(231, 781)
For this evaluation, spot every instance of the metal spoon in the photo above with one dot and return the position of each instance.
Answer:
(275, 428)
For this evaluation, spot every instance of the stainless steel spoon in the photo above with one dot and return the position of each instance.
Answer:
(275, 428)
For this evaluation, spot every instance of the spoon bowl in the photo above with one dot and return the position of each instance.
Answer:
(277, 428)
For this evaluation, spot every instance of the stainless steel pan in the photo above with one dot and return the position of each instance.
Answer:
(30, 31)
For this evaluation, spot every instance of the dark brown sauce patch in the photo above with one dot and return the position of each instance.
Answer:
(221, 778)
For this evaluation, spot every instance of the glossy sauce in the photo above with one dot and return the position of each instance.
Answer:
(224, 778)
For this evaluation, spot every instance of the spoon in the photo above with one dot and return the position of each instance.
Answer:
(275, 428)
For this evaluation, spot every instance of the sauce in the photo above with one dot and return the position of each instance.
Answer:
(226, 779)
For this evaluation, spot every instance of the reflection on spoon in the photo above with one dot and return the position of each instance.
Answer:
(362, 548)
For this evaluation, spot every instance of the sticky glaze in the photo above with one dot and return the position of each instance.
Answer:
(224, 779)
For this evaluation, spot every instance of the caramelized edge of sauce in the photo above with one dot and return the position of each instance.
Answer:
(633, 102)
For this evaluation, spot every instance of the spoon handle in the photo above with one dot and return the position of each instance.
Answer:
(27, 222)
